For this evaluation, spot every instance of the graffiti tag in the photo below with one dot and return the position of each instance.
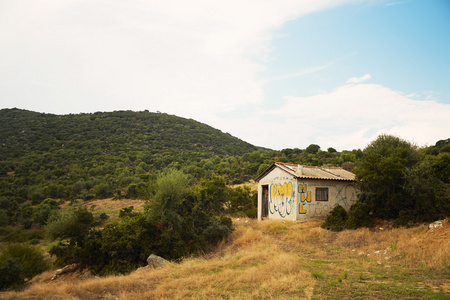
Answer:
(305, 196)
(281, 199)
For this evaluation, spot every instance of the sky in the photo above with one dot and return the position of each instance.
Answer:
(275, 73)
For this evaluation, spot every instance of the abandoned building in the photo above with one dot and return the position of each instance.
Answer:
(301, 193)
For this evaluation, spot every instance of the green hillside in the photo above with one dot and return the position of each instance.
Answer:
(110, 133)
(102, 154)
(118, 154)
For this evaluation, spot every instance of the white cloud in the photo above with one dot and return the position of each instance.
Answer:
(359, 79)
(397, 3)
(349, 117)
(189, 58)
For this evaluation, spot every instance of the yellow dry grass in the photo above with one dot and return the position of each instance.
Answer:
(253, 185)
(110, 207)
(269, 260)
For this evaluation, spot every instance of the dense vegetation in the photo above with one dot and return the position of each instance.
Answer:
(184, 169)
(100, 155)
(402, 182)
(398, 181)
(118, 154)
(181, 219)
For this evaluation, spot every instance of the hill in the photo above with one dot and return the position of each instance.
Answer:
(274, 259)
(110, 133)
(101, 154)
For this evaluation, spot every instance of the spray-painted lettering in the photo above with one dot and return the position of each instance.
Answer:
(282, 198)
(305, 196)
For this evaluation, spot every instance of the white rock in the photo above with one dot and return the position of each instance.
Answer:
(436, 225)
(155, 261)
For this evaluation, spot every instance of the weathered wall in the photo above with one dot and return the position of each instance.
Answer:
(282, 195)
(295, 199)
(343, 193)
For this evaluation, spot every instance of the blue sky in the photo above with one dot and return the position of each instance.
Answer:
(404, 45)
(278, 74)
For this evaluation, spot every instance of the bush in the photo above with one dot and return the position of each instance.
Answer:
(243, 202)
(358, 216)
(72, 224)
(127, 212)
(119, 248)
(22, 235)
(29, 259)
(218, 229)
(10, 274)
(404, 219)
(336, 219)
(3, 218)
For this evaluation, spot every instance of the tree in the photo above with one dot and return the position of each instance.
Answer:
(427, 200)
(74, 225)
(171, 188)
(381, 172)
(313, 149)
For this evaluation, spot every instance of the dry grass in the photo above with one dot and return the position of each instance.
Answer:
(253, 185)
(273, 259)
(110, 207)
(113, 207)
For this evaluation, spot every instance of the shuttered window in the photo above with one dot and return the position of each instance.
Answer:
(321, 194)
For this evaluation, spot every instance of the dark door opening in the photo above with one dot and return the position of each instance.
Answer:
(265, 202)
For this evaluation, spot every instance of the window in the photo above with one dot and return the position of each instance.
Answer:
(321, 194)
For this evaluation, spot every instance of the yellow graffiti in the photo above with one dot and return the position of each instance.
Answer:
(302, 188)
(273, 190)
(305, 196)
(301, 209)
(281, 198)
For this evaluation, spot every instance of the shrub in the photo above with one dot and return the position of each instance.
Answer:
(243, 202)
(29, 259)
(42, 214)
(22, 235)
(336, 219)
(217, 230)
(71, 228)
(119, 248)
(358, 216)
(404, 219)
(73, 224)
(10, 274)
(127, 212)
(3, 218)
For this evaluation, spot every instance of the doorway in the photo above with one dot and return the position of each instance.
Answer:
(265, 202)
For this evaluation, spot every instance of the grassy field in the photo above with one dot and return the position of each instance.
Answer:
(281, 260)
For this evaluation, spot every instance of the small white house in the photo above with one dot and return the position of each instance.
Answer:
(301, 193)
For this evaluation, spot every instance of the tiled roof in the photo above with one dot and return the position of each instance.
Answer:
(310, 172)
